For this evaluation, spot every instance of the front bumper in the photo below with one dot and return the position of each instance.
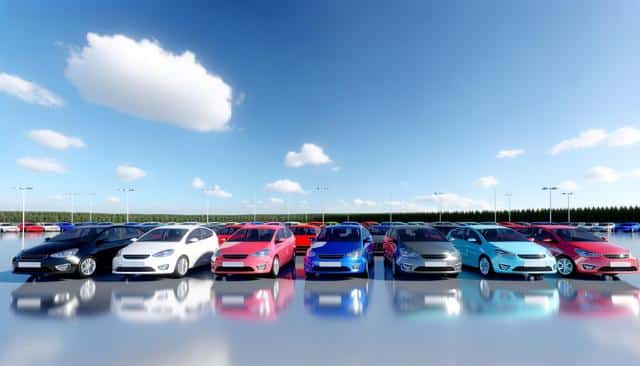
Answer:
(603, 265)
(344, 265)
(45, 265)
(516, 265)
(420, 265)
(147, 266)
(247, 265)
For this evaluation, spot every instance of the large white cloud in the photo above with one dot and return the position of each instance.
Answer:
(28, 91)
(142, 79)
(41, 165)
(309, 154)
(217, 191)
(284, 186)
(624, 136)
(601, 174)
(487, 182)
(55, 140)
(509, 153)
(453, 201)
(128, 173)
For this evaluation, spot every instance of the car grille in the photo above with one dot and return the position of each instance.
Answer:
(618, 269)
(32, 257)
(434, 256)
(135, 256)
(234, 269)
(330, 256)
(532, 269)
(234, 256)
(331, 269)
(531, 256)
(617, 256)
(434, 269)
(134, 269)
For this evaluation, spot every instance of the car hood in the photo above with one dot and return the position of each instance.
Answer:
(600, 247)
(243, 247)
(429, 247)
(51, 247)
(149, 247)
(335, 247)
(520, 247)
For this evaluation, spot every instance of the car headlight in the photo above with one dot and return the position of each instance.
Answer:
(355, 253)
(504, 253)
(586, 253)
(404, 252)
(453, 255)
(164, 253)
(65, 253)
(261, 253)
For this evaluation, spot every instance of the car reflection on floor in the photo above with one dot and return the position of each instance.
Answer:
(592, 298)
(340, 297)
(427, 299)
(254, 299)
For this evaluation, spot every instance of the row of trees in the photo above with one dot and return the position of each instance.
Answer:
(586, 214)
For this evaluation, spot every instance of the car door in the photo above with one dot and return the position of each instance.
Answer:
(193, 247)
(460, 243)
(108, 243)
(367, 243)
(474, 247)
(280, 245)
(389, 246)
(546, 239)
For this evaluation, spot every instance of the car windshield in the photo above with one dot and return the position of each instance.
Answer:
(303, 231)
(252, 235)
(76, 234)
(420, 234)
(163, 235)
(339, 234)
(576, 235)
(227, 230)
(504, 234)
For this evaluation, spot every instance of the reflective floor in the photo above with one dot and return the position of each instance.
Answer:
(110, 320)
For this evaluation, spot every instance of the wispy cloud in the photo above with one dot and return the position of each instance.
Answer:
(28, 91)
(41, 164)
(509, 153)
(601, 174)
(55, 140)
(624, 136)
(127, 173)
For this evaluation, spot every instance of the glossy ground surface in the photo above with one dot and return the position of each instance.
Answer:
(289, 321)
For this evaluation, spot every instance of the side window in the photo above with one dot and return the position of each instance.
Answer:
(205, 234)
(132, 233)
(280, 235)
(194, 234)
(287, 233)
(458, 234)
(473, 234)
(547, 236)
(537, 234)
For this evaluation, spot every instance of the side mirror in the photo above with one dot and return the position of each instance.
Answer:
(193, 240)
(531, 239)
(472, 240)
(547, 240)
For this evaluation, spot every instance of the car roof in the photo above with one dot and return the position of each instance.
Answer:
(483, 227)
(179, 226)
(552, 226)
(262, 226)
(305, 225)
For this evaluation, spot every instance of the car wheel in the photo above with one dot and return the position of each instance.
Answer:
(485, 267)
(275, 267)
(565, 266)
(87, 267)
(181, 268)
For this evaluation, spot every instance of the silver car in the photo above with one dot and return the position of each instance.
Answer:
(420, 249)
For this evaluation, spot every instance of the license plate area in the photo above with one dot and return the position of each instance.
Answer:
(233, 264)
(619, 264)
(330, 264)
(29, 265)
(435, 264)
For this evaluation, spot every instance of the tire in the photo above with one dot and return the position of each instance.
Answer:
(365, 274)
(181, 268)
(565, 266)
(485, 267)
(275, 268)
(293, 259)
(87, 267)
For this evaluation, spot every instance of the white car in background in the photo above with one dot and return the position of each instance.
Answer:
(50, 228)
(590, 226)
(167, 250)
(604, 227)
(8, 228)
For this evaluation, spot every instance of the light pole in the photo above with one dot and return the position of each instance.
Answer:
(550, 189)
(509, 195)
(91, 195)
(322, 189)
(568, 194)
(126, 200)
(437, 195)
(495, 205)
(23, 190)
(73, 203)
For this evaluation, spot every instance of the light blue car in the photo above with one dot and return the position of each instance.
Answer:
(497, 249)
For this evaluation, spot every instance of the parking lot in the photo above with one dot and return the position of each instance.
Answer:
(109, 319)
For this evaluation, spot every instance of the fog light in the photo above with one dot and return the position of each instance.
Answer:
(588, 266)
(261, 267)
(355, 267)
(163, 267)
(63, 267)
(503, 267)
(406, 267)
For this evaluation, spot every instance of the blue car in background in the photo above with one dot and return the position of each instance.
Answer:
(64, 226)
(627, 227)
(340, 249)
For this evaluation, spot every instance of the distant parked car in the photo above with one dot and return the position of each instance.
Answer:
(81, 251)
(64, 226)
(627, 227)
(291, 223)
(513, 225)
(604, 227)
(146, 226)
(369, 224)
(444, 227)
(589, 226)
(226, 232)
(379, 231)
(416, 223)
(50, 227)
(31, 228)
(304, 235)
(316, 223)
(8, 228)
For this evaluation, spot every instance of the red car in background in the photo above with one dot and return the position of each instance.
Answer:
(368, 224)
(226, 232)
(513, 225)
(316, 223)
(304, 234)
(580, 251)
(31, 228)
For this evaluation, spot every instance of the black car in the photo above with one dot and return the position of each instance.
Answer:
(80, 251)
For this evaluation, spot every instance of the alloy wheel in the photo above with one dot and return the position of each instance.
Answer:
(87, 267)
(484, 266)
(565, 266)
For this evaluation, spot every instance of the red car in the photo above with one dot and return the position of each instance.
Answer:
(226, 232)
(31, 228)
(304, 234)
(256, 249)
(513, 225)
(579, 251)
(316, 223)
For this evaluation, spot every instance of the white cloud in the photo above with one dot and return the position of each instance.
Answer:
(365, 203)
(284, 186)
(601, 174)
(455, 202)
(276, 201)
(113, 199)
(216, 191)
(197, 183)
(309, 154)
(509, 153)
(128, 173)
(41, 165)
(568, 186)
(55, 140)
(624, 136)
(487, 182)
(142, 79)
(28, 91)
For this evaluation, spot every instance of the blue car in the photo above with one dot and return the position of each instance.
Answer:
(340, 249)
(497, 249)
(64, 226)
(627, 227)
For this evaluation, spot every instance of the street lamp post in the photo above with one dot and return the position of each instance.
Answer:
(568, 194)
(91, 195)
(550, 189)
(73, 203)
(495, 205)
(322, 189)
(509, 195)
(23, 190)
(437, 195)
(126, 200)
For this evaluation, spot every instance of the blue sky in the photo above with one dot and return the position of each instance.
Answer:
(396, 99)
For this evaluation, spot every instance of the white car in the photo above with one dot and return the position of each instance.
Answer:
(167, 250)
(8, 228)
(48, 227)
(590, 226)
(604, 227)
